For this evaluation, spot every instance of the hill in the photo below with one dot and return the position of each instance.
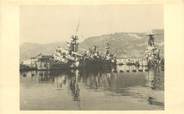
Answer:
(122, 44)
(28, 50)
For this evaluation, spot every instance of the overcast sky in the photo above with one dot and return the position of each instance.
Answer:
(46, 24)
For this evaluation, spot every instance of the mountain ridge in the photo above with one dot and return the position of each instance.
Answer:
(122, 44)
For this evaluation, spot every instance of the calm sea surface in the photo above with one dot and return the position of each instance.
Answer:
(82, 90)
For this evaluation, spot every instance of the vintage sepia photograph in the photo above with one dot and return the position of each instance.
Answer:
(92, 57)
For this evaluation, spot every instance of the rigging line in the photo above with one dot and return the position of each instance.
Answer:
(77, 28)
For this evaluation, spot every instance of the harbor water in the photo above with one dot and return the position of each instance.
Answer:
(89, 90)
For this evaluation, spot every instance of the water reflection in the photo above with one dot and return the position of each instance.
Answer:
(60, 81)
(109, 83)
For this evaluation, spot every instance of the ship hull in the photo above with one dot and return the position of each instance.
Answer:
(96, 64)
(53, 65)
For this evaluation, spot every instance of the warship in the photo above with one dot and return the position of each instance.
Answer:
(71, 58)
(91, 59)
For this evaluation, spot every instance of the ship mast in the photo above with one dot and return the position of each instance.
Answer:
(73, 45)
(107, 48)
(151, 40)
(152, 55)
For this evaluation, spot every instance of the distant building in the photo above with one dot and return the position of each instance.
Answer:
(40, 62)
(43, 62)
(31, 63)
(27, 62)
